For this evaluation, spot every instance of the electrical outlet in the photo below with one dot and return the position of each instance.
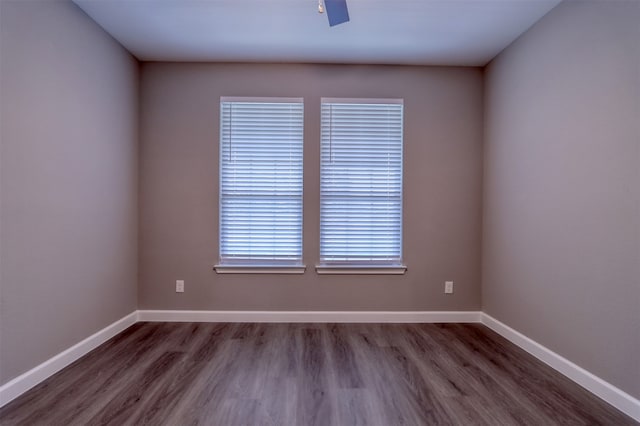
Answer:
(179, 286)
(448, 287)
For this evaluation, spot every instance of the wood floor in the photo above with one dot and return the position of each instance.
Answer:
(308, 374)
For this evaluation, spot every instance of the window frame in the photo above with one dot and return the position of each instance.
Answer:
(257, 266)
(348, 267)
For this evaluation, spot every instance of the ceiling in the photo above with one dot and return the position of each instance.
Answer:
(420, 32)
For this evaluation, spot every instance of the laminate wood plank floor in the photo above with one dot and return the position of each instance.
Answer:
(308, 374)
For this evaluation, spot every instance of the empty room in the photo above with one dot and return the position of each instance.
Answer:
(319, 212)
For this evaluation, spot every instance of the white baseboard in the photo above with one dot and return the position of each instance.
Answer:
(311, 316)
(611, 394)
(16, 387)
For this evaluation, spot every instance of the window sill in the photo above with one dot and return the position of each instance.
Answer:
(259, 269)
(360, 270)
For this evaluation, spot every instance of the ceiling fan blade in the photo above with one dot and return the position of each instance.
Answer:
(337, 11)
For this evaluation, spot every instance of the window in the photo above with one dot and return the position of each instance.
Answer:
(361, 186)
(261, 144)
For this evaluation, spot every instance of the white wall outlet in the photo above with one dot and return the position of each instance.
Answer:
(448, 287)
(179, 286)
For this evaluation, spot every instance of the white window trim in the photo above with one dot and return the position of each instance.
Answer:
(360, 270)
(274, 99)
(390, 101)
(365, 268)
(259, 269)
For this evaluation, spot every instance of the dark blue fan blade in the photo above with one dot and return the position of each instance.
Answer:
(336, 11)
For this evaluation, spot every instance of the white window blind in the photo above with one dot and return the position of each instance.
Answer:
(261, 144)
(361, 182)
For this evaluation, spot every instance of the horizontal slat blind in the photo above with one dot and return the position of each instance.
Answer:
(261, 144)
(361, 182)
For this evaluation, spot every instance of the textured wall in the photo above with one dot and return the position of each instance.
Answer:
(561, 241)
(68, 181)
(179, 187)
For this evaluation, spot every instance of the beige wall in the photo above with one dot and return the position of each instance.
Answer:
(561, 241)
(68, 123)
(179, 187)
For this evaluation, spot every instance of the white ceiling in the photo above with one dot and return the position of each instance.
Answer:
(426, 32)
